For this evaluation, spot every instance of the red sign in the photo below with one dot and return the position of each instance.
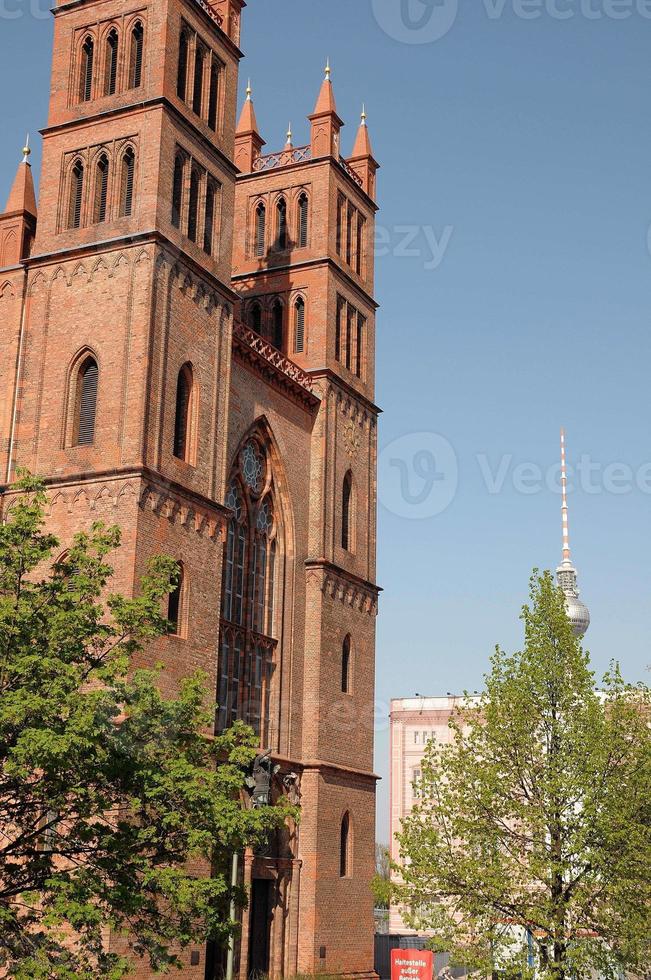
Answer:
(412, 964)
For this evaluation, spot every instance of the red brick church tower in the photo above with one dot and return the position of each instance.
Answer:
(187, 350)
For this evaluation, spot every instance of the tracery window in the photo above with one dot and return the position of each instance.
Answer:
(246, 642)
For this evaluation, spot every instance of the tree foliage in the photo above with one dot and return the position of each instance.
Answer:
(117, 810)
(530, 843)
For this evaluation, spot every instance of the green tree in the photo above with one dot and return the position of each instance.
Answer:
(530, 844)
(113, 799)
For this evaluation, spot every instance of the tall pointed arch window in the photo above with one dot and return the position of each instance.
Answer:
(86, 70)
(299, 326)
(255, 317)
(247, 616)
(345, 856)
(346, 666)
(136, 52)
(347, 512)
(176, 605)
(260, 229)
(281, 225)
(193, 205)
(278, 324)
(303, 218)
(197, 91)
(177, 190)
(111, 63)
(213, 94)
(127, 174)
(182, 72)
(184, 414)
(76, 195)
(101, 189)
(85, 403)
(209, 222)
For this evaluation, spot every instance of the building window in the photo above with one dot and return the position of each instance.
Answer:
(277, 325)
(341, 204)
(86, 72)
(415, 783)
(359, 346)
(251, 555)
(346, 666)
(260, 229)
(349, 233)
(184, 412)
(86, 403)
(182, 73)
(303, 213)
(126, 183)
(359, 258)
(299, 326)
(255, 318)
(193, 205)
(175, 605)
(197, 92)
(213, 95)
(347, 512)
(76, 195)
(111, 66)
(136, 55)
(177, 191)
(101, 189)
(345, 847)
(281, 225)
(209, 223)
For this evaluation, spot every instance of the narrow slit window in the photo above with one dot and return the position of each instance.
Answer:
(359, 257)
(349, 234)
(86, 73)
(197, 94)
(126, 183)
(177, 192)
(255, 318)
(209, 223)
(183, 415)
(340, 223)
(101, 189)
(341, 312)
(213, 95)
(110, 81)
(299, 326)
(175, 605)
(136, 55)
(359, 347)
(182, 74)
(76, 195)
(303, 207)
(346, 512)
(277, 325)
(193, 206)
(345, 666)
(260, 229)
(281, 230)
(344, 847)
(87, 383)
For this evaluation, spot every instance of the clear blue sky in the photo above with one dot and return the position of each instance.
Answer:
(523, 147)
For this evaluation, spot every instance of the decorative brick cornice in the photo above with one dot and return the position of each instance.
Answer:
(338, 584)
(274, 367)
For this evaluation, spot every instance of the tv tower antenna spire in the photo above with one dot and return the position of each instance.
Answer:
(577, 612)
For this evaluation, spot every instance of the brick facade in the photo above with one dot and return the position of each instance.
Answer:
(167, 267)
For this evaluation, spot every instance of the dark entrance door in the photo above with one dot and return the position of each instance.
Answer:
(261, 908)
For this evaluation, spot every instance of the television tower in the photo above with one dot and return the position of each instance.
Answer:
(577, 613)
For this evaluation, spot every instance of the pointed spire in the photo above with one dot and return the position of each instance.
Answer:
(22, 198)
(577, 612)
(362, 146)
(564, 507)
(248, 122)
(248, 142)
(326, 101)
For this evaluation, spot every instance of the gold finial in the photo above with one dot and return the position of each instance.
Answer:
(328, 70)
(249, 91)
(289, 135)
(26, 150)
(364, 116)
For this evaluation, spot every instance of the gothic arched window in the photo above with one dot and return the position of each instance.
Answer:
(247, 645)
(260, 229)
(281, 225)
(346, 666)
(111, 63)
(126, 183)
(345, 847)
(175, 605)
(101, 189)
(197, 92)
(76, 195)
(303, 211)
(86, 402)
(299, 325)
(209, 221)
(347, 512)
(177, 190)
(193, 204)
(255, 317)
(213, 95)
(183, 417)
(86, 70)
(277, 324)
(135, 55)
(182, 74)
